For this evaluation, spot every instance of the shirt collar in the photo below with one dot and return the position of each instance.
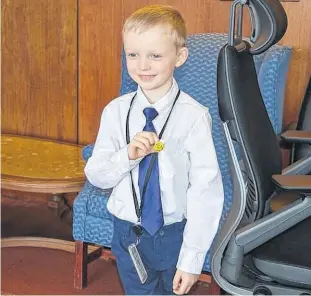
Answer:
(161, 105)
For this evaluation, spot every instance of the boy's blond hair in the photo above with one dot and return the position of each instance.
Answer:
(152, 15)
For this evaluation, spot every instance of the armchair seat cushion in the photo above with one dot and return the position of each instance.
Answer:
(286, 258)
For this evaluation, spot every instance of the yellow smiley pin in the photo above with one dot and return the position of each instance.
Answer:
(159, 146)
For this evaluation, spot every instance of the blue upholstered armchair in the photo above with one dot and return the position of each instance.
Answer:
(92, 224)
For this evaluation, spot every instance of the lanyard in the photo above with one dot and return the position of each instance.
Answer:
(154, 155)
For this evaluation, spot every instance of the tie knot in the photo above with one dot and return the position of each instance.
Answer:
(150, 114)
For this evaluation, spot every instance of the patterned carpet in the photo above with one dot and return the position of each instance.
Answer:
(42, 271)
(39, 271)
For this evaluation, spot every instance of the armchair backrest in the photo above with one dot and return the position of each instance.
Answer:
(271, 68)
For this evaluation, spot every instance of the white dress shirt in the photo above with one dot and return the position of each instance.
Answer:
(190, 179)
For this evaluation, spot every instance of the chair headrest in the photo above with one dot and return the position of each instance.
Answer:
(269, 23)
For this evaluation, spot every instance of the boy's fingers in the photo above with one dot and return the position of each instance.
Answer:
(151, 136)
(139, 145)
(143, 140)
(176, 280)
(184, 286)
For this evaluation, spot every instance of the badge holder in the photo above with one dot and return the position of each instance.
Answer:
(134, 254)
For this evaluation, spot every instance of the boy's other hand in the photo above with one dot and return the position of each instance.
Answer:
(142, 145)
(183, 281)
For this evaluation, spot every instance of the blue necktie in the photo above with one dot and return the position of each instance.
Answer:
(151, 208)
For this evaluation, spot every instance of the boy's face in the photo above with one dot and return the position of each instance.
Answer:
(151, 58)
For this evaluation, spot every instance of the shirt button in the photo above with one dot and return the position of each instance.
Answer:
(161, 232)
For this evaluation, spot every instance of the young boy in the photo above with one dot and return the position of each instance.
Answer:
(176, 213)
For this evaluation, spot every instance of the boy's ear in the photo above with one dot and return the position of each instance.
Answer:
(182, 56)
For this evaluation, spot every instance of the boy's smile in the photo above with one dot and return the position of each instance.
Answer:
(146, 77)
(151, 57)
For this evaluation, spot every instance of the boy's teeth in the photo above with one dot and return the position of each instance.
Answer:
(147, 77)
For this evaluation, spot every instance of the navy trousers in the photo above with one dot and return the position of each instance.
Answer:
(159, 254)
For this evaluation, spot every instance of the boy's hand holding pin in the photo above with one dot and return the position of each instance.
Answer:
(143, 144)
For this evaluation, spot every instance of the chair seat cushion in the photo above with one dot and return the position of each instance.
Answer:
(286, 258)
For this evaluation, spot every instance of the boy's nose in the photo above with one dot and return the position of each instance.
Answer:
(144, 64)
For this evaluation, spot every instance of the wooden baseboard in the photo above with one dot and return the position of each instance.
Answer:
(42, 242)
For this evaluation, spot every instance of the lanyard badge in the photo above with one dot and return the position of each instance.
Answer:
(135, 256)
(138, 263)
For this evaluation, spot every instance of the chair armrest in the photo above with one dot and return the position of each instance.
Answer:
(87, 152)
(255, 234)
(80, 211)
(297, 136)
(300, 167)
(299, 183)
(262, 230)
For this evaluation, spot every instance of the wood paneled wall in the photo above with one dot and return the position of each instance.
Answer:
(48, 44)
(298, 35)
(39, 68)
(100, 25)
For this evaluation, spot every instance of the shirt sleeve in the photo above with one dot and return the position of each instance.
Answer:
(205, 197)
(109, 163)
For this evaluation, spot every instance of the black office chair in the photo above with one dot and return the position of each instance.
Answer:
(256, 251)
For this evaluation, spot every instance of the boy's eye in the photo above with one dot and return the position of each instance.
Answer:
(132, 55)
(156, 56)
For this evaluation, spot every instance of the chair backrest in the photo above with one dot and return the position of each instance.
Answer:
(304, 123)
(246, 122)
(241, 107)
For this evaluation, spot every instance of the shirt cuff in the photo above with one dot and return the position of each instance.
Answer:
(190, 260)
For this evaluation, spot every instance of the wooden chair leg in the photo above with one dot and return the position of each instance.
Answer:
(214, 288)
(81, 260)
